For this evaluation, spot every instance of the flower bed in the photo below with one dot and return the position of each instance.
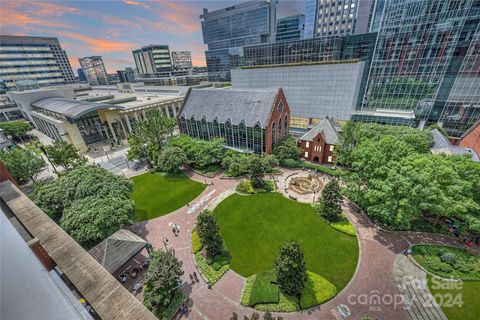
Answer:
(448, 262)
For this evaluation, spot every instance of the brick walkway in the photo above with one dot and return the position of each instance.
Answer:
(371, 292)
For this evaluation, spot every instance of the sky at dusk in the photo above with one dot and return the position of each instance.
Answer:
(114, 28)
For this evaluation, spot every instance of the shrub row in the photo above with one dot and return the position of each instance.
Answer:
(208, 271)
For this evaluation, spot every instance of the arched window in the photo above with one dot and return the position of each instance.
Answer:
(280, 132)
(285, 126)
(274, 134)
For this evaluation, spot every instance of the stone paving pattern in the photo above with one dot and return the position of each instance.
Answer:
(374, 274)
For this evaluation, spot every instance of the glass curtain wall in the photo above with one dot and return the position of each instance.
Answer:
(236, 136)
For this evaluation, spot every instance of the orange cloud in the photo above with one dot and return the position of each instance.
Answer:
(26, 14)
(178, 14)
(136, 3)
(74, 63)
(97, 45)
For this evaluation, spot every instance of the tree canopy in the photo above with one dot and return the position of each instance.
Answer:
(151, 135)
(290, 269)
(92, 219)
(64, 154)
(22, 164)
(287, 148)
(15, 129)
(209, 232)
(161, 281)
(89, 198)
(200, 153)
(329, 205)
(172, 159)
(397, 181)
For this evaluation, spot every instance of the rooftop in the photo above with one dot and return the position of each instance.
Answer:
(327, 128)
(441, 145)
(234, 105)
(106, 295)
(70, 108)
(117, 249)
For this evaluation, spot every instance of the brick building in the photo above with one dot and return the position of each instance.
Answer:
(319, 143)
(471, 138)
(248, 120)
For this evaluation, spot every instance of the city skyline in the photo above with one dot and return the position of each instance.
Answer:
(113, 29)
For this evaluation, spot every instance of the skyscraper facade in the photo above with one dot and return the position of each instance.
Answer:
(426, 60)
(338, 17)
(94, 70)
(227, 30)
(127, 75)
(152, 59)
(181, 59)
(290, 28)
(40, 59)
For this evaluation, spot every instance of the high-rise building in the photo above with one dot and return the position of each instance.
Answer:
(227, 30)
(182, 59)
(94, 70)
(41, 59)
(290, 28)
(152, 58)
(127, 75)
(81, 75)
(427, 60)
(338, 17)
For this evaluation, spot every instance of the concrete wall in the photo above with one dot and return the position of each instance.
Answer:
(312, 91)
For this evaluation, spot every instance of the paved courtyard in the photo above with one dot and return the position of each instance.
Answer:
(371, 292)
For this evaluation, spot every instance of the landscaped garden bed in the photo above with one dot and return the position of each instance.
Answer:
(447, 262)
(156, 194)
(255, 228)
(207, 171)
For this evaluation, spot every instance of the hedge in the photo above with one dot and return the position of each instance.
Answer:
(196, 244)
(316, 291)
(285, 304)
(208, 271)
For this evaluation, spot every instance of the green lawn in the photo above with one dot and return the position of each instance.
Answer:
(450, 298)
(255, 227)
(157, 194)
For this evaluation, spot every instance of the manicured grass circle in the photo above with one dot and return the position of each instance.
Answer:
(157, 194)
(255, 227)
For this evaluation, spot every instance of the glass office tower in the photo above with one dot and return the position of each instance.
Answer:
(225, 31)
(290, 28)
(426, 61)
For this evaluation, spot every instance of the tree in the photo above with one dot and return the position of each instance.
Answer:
(290, 269)
(151, 134)
(329, 204)
(15, 129)
(257, 172)
(92, 219)
(86, 189)
(22, 164)
(287, 148)
(200, 153)
(209, 233)
(161, 281)
(64, 154)
(172, 159)
(269, 161)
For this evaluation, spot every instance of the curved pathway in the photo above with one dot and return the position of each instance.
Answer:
(371, 292)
